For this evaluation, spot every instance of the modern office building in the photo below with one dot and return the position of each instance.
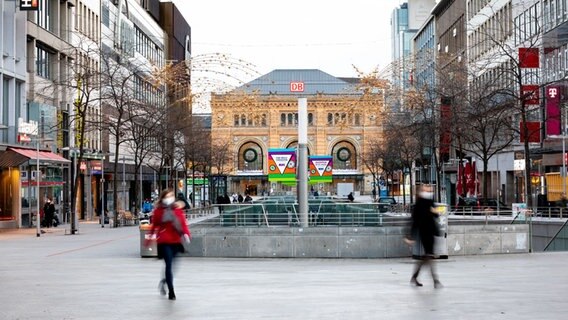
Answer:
(36, 43)
(133, 41)
(178, 53)
(52, 54)
(405, 22)
(13, 75)
(424, 50)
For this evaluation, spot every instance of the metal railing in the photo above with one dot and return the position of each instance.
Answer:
(321, 214)
(283, 211)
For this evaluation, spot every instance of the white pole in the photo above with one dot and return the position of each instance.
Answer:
(302, 167)
(38, 222)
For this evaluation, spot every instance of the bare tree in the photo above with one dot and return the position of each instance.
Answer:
(123, 100)
(82, 79)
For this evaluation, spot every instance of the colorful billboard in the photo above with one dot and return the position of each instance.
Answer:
(282, 165)
(321, 169)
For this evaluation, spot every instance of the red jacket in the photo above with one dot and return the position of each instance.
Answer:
(166, 232)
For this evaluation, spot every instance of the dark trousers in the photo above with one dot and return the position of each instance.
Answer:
(168, 253)
(426, 260)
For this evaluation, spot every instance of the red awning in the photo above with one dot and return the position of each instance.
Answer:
(14, 157)
(46, 156)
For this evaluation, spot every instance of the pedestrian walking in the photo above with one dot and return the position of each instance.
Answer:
(49, 213)
(424, 228)
(171, 231)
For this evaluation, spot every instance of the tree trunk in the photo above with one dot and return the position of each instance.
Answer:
(484, 184)
(115, 188)
(524, 134)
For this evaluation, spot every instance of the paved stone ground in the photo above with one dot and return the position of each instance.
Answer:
(98, 274)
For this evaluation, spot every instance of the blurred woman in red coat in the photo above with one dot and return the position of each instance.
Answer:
(170, 229)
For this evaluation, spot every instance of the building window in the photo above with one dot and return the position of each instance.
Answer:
(5, 101)
(43, 16)
(344, 156)
(250, 157)
(105, 14)
(43, 68)
(18, 99)
(291, 119)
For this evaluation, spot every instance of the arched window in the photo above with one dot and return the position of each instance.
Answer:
(310, 118)
(357, 120)
(236, 117)
(283, 120)
(344, 156)
(290, 119)
(250, 157)
(336, 118)
(329, 119)
(243, 120)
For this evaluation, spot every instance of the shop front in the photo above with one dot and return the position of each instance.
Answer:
(23, 190)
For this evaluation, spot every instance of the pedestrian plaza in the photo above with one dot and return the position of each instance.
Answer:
(98, 274)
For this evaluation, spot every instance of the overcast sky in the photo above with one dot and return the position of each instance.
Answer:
(294, 34)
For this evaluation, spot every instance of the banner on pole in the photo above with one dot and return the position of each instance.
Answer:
(282, 165)
(321, 169)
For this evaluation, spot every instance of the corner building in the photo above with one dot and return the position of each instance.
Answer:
(263, 114)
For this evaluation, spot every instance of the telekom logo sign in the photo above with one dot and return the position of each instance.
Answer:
(552, 92)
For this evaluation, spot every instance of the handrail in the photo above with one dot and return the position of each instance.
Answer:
(556, 235)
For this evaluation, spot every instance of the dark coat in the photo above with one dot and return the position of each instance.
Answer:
(49, 209)
(424, 224)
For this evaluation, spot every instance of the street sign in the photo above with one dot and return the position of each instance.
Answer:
(29, 5)
(296, 86)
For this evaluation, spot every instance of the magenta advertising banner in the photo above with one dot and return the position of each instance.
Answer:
(552, 94)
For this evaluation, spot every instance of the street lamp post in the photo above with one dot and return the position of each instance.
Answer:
(123, 184)
(103, 207)
(564, 155)
(140, 201)
(38, 175)
(564, 162)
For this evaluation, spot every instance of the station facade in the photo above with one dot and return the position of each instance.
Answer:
(263, 114)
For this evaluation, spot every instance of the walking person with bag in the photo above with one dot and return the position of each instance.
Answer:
(425, 228)
(172, 236)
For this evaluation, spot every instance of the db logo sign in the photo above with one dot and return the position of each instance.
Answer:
(553, 92)
(296, 86)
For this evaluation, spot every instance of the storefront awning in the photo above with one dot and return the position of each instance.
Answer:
(14, 157)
